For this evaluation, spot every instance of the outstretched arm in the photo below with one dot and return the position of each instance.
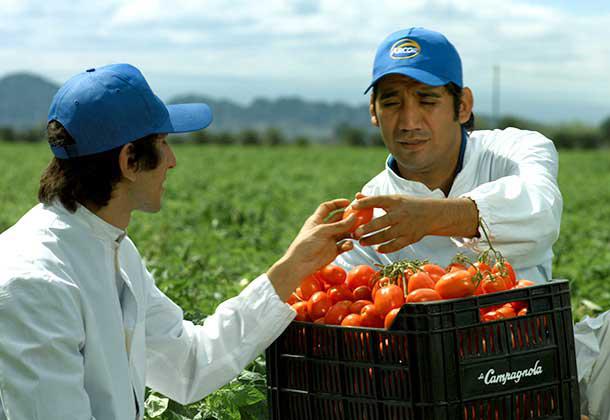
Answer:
(187, 362)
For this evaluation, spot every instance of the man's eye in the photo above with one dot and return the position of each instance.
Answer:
(393, 103)
(428, 103)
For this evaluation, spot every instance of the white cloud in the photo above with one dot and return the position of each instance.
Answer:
(137, 11)
(321, 49)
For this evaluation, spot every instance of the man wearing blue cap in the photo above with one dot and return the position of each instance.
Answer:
(83, 326)
(440, 178)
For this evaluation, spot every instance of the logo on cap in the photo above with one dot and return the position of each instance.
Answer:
(404, 48)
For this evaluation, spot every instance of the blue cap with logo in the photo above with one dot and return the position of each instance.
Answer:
(107, 107)
(421, 54)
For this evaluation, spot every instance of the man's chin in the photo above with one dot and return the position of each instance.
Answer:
(150, 208)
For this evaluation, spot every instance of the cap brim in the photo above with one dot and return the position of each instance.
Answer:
(184, 118)
(417, 74)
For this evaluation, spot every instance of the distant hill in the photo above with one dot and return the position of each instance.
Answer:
(293, 116)
(24, 100)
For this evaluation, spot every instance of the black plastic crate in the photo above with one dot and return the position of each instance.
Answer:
(438, 362)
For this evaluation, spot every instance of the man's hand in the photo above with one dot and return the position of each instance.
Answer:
(317, 244)
(408, 219)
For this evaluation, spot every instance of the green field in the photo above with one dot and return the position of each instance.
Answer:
(229, 212)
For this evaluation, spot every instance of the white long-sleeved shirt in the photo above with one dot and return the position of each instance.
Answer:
(592, 343)
(511, 175)
(71, 349)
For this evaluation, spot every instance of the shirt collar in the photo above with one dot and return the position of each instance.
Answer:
(98, 226)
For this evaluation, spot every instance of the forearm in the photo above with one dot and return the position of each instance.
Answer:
(285, 275)
(457, 217)
(186, 362)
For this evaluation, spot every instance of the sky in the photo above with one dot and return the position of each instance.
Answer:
(553, 56)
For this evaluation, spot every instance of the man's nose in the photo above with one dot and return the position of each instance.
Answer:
(171, 158)
(410, 116)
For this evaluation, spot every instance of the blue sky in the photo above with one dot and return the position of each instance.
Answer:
(554, 56)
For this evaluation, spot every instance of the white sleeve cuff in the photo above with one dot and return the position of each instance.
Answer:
(273, 315)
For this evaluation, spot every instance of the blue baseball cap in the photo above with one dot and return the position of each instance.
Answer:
(421, 54)
(107, 107)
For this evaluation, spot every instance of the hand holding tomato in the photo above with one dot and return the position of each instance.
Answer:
(408, 219)
(363, 216)
(316, 245)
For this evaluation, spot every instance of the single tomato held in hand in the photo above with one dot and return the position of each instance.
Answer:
(363, 216)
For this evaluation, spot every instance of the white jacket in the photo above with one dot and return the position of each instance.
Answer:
(511, 174)
(71, 350)
(592, 340)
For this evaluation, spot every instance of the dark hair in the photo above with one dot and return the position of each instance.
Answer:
(90, 179)
(456, 92)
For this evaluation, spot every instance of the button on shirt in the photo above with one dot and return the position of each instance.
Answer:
(84, 328)
(511, 175)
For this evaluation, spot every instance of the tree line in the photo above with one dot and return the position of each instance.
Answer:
(565, 136)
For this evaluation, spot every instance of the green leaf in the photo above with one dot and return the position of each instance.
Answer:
(244, 395)
(155, 405)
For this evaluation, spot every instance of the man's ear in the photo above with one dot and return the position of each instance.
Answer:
(372, 111)
(128, 169)
(466, 104)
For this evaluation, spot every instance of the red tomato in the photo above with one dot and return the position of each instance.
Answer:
(377, 279)
(493, 283)
(308, 287)
(420, 280)
(352, 320)
(360, 276)
(371, 317)
(455, 284)
(479, 288)
(388, 298)
(506, 311)
(337, 312)
(490, 308)
(490, 316)
(522, 312)
(423, 295)
(455, 267)
(506, 270)
(333, 275)
(293, 299)
(389, 318)
(519, 305)
(362, 292)
(319, 321)
(435, 271)
(301, 310)
(384, 281)
(357, 306)
(318, 305)
(524, 283)
(363, 216)
(339, 293)
(480, 267)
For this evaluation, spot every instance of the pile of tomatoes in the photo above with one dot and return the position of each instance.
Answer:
(371, 297)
